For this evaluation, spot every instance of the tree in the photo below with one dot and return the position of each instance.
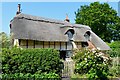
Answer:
(116, 30)
(102, 19)
(5, 40)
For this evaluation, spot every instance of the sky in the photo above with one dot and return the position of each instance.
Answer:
(54, 10)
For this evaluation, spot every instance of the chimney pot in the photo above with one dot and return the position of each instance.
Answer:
(18, 11)
(67, 19)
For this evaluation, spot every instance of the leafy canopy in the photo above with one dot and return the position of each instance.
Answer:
(5, 40)
(102, 19)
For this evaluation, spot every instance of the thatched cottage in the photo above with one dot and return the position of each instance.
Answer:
(38, 32)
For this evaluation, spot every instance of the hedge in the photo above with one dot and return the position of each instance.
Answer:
(33, 61)
(21, 76)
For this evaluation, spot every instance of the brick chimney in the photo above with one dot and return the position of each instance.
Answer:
(18, 11)
(67, 19)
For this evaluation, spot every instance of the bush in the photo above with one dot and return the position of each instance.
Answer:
(93, 64)
(114, 70)
(30, 76)
(115, 49)
(115, 54)
(33, 61)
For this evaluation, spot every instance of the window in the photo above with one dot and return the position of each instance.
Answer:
(84, 44)
(87, 35)
(78, 44)
(30, 43)
(23, 42)
(63, 47)
(57, 45)
(70, 34)
(69, 46)
(46, 44)
(39, 44)
(51, 44)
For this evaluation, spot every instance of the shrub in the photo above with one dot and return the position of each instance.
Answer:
(33, 61)
(115, 49)
(113, 53)
(30, 76)
(114, 70)
(93, 64)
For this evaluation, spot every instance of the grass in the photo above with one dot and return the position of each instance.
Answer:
(78, 76)
(84, 77)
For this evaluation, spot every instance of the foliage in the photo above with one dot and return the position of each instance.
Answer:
(115, 49)
(5, 40)
(33, 61)
(30, 76)
(102, 19)
(115, 45)
(113, 53)
(93, 64)
(116, 30)
(114, 70)
(78, 76)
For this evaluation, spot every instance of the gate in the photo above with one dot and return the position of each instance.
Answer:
(68, 70)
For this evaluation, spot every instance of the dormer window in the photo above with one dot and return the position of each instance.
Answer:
(87, 35)
(70, 34)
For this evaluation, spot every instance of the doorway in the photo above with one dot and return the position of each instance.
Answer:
(62, 55)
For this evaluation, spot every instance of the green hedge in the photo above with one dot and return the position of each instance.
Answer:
(21, 76)
(33, 61)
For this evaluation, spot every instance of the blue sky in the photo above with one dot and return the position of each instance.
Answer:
(55, 10)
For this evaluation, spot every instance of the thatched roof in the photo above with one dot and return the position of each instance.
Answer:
(25, 26)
